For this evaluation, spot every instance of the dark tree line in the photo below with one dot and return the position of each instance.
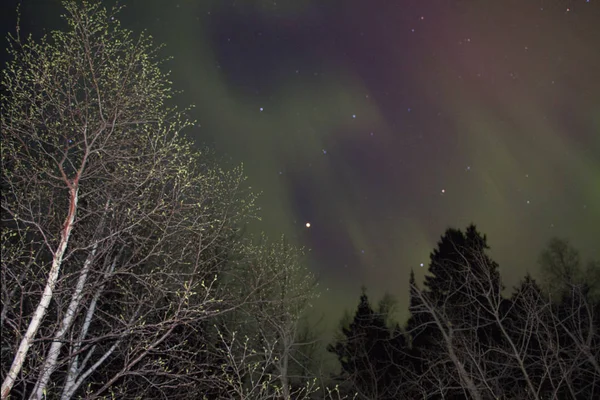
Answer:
(465, 339)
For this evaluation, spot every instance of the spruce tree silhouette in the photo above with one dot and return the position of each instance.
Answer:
(461, 279)
(465, 340)
(458, 257)
(365, 354)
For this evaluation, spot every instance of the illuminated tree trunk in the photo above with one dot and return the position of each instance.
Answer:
(76, 374)
(42, 307)
(52, 356)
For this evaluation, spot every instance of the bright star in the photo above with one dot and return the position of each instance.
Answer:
(308, 224)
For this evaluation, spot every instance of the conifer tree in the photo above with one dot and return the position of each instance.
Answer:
(451, 323)
(364, 352)
(457, 257)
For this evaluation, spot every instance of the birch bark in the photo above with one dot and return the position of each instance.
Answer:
(42, 306)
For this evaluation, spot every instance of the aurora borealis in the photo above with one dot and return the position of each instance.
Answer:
(381, 123)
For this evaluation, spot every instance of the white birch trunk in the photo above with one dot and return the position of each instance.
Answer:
(68, 393)
(51, 358)
(42, 307)
(72, 382)
(81, 376)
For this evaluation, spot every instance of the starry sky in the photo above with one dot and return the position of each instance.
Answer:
(383, 122)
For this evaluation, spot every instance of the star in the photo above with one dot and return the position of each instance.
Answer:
(308, 224)
(261, 109)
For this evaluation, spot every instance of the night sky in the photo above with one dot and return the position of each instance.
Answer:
(382, 123)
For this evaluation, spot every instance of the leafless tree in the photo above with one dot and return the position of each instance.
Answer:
(527, 347)
(277, 290)
(247, 374)
(113, 227)
(562, 268)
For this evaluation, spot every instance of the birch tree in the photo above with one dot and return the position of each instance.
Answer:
(261, 339)
(113, 226)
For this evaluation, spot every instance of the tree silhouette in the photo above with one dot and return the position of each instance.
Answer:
(451, 313)
(365, 352)
(465, 340)
(562, 268)
(458, 257)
